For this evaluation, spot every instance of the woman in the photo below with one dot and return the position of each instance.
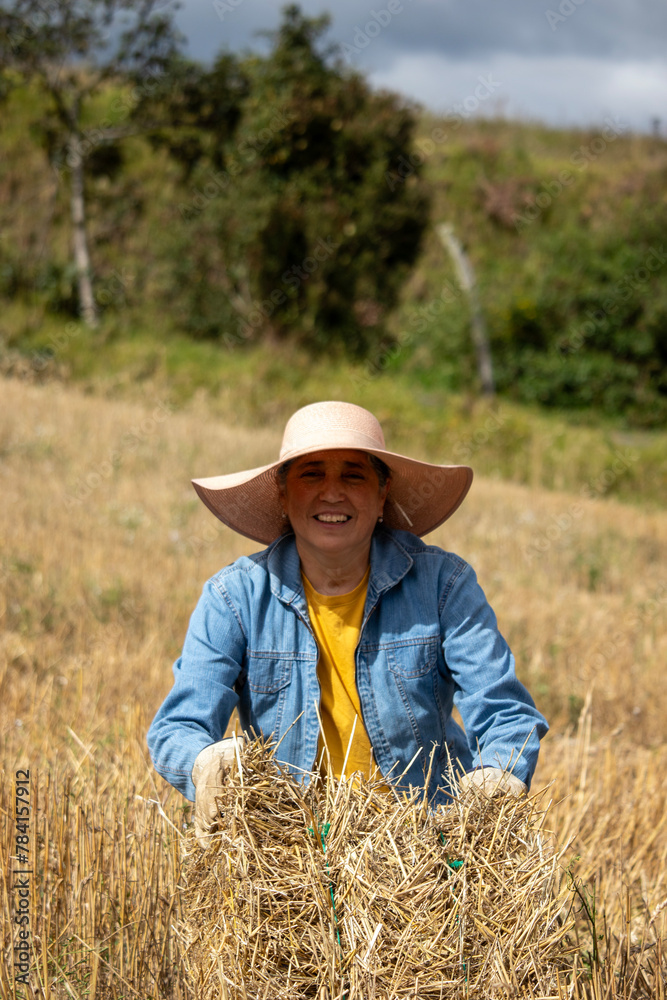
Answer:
(348, 639)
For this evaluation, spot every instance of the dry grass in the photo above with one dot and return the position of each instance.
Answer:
(95, 596)
(337, 890)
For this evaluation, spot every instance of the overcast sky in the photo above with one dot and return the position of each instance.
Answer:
(564, 62)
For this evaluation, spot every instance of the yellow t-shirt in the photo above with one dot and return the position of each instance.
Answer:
(336, 622)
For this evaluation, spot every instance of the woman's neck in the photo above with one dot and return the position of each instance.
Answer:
(334, 574)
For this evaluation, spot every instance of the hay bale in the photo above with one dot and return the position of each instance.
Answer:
(339, 890)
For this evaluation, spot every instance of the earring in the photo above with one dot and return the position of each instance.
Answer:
(284, 516)
(380, 519)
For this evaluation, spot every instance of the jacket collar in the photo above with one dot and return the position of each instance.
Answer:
(390, 561)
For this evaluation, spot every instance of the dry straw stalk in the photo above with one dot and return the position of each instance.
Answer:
(339, 890)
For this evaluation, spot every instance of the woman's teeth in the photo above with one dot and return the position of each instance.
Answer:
(332, 518)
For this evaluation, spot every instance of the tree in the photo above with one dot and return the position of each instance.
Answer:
(199, 110)
(300, 235)
(71, 50)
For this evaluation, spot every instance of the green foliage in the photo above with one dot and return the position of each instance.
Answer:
(69, 53)
(57, 285)
(593, 338)
(572, 276)
(293, 205)
(299, 237)
(199, 110)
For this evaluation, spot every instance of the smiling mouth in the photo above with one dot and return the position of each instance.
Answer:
(332, 518)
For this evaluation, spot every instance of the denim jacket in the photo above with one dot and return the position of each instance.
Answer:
(428, 641)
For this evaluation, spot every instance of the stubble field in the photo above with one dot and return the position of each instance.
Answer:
(105, 548)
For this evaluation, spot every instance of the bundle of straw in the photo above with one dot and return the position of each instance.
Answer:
(337, 890)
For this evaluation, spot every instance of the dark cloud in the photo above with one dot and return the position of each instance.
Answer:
(461, 29)
(464, 29)
(432, 50)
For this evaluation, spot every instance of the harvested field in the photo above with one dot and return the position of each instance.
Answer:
(104, 552)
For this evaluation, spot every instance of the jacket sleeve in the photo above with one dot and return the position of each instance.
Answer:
(199, 706)
(502, 725)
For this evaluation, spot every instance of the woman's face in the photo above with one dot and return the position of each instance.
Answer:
(333, 500)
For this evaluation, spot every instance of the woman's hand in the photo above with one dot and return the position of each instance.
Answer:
(491, 781)
(208, 774)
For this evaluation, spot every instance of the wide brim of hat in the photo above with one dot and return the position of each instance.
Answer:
(420, 498)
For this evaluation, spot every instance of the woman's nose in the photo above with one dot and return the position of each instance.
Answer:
(332, 489)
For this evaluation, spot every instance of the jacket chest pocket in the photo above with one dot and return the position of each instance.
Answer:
(413, 669)
(266, 691)
(268, 673)
(413, 660)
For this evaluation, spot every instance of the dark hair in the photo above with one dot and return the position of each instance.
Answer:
(382, 471)
(281, 473)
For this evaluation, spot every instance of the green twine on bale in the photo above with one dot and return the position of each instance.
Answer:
(323, 830)
(455, 864)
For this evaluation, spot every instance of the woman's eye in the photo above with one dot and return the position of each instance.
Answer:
(317, 474)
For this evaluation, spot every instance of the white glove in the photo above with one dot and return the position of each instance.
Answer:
(491, 780)
(208, 774)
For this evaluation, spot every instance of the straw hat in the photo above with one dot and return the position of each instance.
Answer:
(420, 498)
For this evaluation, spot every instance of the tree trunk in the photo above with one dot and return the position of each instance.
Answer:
(466, 279)
(81, 256)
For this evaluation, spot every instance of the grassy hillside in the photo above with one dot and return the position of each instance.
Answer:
(565, 231)
(260, 387)
(104, 552)
(484, 175)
